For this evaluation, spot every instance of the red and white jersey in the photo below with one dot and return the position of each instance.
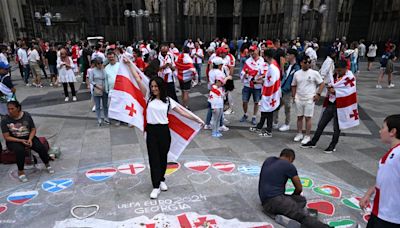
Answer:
(213, 74)
(271, 91)
(387, 196)
(75, 53)
(175, 52)
(144, 49)
(254, 69)
(229, 60)
(200, 55)
(190, 45)
(216, 97)
(167, 74)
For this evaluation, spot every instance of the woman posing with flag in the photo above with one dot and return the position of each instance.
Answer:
(158, 139)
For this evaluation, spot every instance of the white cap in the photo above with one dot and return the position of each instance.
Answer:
(218, 61)
(210, 49)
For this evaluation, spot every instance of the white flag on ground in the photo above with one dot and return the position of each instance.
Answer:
(129, 105)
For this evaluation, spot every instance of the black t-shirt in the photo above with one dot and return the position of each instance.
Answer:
(51, 57)
(85, 53)
(273, 177)
(20, 128)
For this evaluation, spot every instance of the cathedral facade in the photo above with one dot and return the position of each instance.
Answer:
(175, 20)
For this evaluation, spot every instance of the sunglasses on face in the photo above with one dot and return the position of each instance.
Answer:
(307, 62)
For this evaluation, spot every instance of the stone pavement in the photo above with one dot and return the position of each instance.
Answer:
(214, 182)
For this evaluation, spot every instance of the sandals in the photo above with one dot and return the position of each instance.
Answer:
(23, 178)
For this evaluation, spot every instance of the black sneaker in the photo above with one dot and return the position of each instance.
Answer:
(265, 134)
(330, 149)
(308, 145)
(254, 129)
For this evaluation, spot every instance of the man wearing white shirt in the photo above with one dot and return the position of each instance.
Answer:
(167, 71)
(197, 54)
(23, 59)
(174, 51)
(34, 60)
(328, 66)
(98, 54)
(312, 53)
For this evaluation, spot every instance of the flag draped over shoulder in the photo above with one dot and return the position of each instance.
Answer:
(129, 105)
(185, 68)
(271, 91)
(346, 101)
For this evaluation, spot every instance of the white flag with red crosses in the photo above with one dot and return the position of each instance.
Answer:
(129, 105)
(271, 91)
(346, 101)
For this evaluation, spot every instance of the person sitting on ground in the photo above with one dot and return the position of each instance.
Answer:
(19, 131)
(274, 174)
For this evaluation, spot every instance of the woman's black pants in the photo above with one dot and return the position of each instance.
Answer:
(158, 142)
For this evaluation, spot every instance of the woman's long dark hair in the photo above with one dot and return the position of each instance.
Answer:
(15, 104)
(161, 87)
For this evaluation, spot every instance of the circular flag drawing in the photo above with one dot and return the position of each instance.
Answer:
(226, 167)
(322, 206)
(132, 169)
(172, 167)
(342, 223)
(354, 203)
(19, 198)
(100, 174)
(305, 182)
(198, 166)
(54, 186)
(328, 190)
(3, 208)
(251, 170)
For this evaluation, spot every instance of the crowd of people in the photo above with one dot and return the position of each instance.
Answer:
(275, 73)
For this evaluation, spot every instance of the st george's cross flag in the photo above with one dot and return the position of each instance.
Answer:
(271, 91)
(129, 105)
(346, 100)
(185, 68)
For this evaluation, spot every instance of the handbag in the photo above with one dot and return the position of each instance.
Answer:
(98, 90)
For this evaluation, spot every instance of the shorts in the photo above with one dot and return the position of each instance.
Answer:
(185, 86)
(247, 92)
(53, 69)
(305, 108)
(371, 59)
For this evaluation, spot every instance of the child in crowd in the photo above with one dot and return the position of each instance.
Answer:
(216, 99)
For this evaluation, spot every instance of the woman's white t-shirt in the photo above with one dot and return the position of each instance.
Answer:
(157, 111)
(372, 51)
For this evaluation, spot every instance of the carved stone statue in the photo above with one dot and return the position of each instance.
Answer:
(281, 6)
(316, 4)
(268, 7)
(211, 7)
(191, 7)
(198, 8)
(205, 7)
(262, 7)
(152, 6)
(186, 7)
(340, 5)
(237, 7)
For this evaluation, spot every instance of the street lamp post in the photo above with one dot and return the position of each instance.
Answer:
(137, 15)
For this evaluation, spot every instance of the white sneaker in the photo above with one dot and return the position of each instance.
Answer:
(298, 137)
(154, 194)
(163, 186)
(223, 128)
(27, 84)
(229, 111)
(391, 85)
(74, 98)
(378, 86)
(284, 128)
(306, 139)
(207, 127)
(66, 99)
(275, 126)
(94, 108)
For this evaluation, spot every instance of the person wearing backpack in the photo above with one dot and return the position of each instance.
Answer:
(383, 62)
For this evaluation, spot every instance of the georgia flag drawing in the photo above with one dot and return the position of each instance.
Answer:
(129, 105)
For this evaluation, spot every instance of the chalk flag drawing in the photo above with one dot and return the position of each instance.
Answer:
(131, 169)
(100, 174)
(55, 186)
(3, 208)
(322, 206)
(188, 219)
(226, 167)
(343, 223)
(251, 170)
(353, 202)
(198, 166)
(328, 190)
(19, 198)
(172, 167)
(305, 182)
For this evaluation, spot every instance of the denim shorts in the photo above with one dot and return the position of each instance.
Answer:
(53, 69)
(247, 92)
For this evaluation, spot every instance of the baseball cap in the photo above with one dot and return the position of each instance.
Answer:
(269, 44)
(221, 50)
(218, 61)
(4, 65)
(253, 48)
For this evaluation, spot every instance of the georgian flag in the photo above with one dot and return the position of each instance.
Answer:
(185, 68)
(129, 105)
(346, 100)
(271, 91)
(252, 68)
